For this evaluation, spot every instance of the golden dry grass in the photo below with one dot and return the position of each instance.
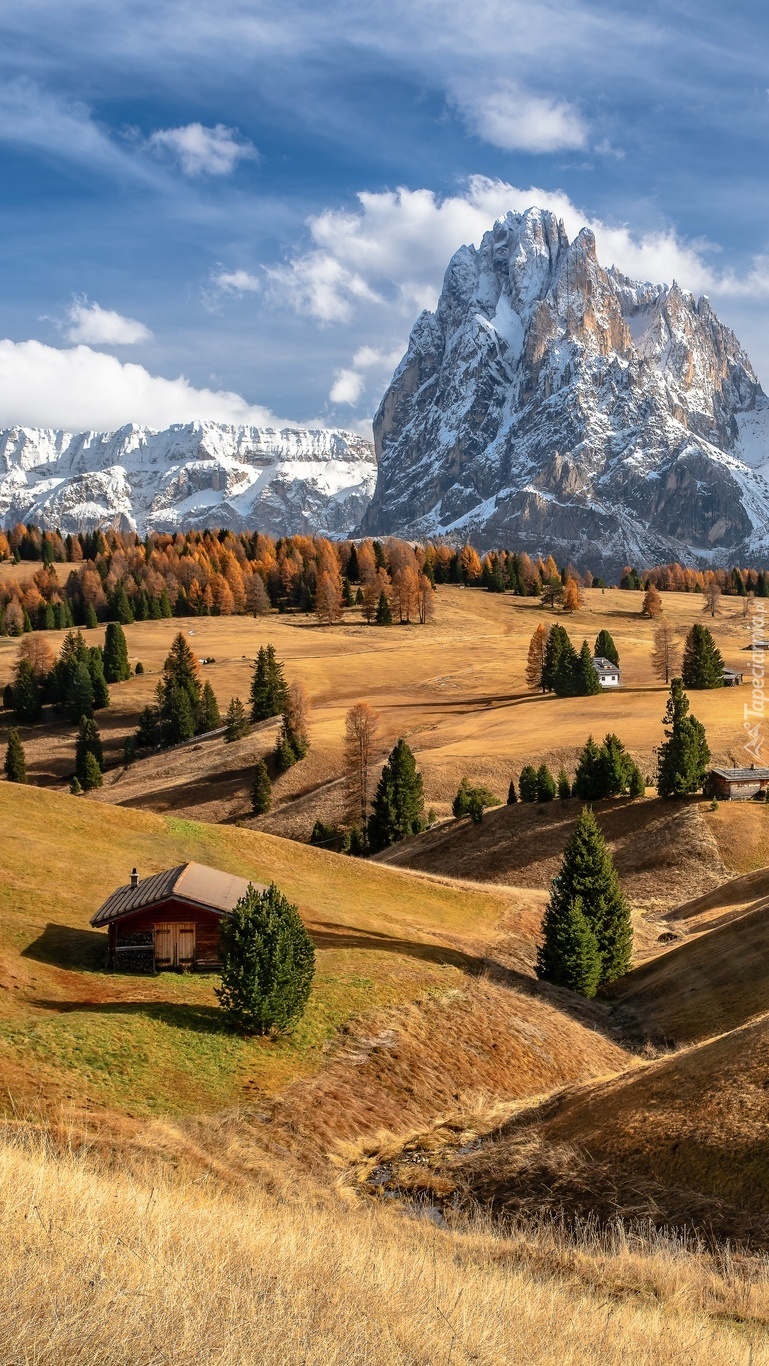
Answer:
(132, 1268)
(455, 689)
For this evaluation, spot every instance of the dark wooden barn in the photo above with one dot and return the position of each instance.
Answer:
(169, 920)
(736, 784)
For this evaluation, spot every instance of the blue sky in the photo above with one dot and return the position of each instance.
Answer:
(237, 210)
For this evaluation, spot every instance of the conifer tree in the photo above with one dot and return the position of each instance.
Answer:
(587, 779)
(235, 720)
(209, 717)
(512, 795)
(684, 756)
(615, 768)
(293, 739)
(605, 647)
(384, 616)
(557, 643)
(269, 690)
(569, 954)
(268, 963)
(15, 758)
(88, 741)
(80, 693)
(545, 784)
(666, 652)
(353, 569)
(652, 603)
(98, 681)
(120, 607)
(27, 695)
(535, 662)
(116, 666)
(91, 774)
(398, 805)
(90, 619)
(586, 680)
(527, 784)
(588, 875)
(703, 666)
(261, 790)
(564, 786)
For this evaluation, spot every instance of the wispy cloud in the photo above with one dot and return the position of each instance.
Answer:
(235, 281)
(203, 151)
(509, 116)
(97, 326)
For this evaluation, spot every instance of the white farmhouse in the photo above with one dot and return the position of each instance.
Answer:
(609, 675)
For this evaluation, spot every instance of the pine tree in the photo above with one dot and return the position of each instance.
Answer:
(269, 690)
(398, 805)
(615, 768)
(558, 643)
(545, 784)
(261, 790)
(15, 759)
(120, 607)
(586, 680)
(209, 717)
(353, 569)
(527, 784)
(235, 720)
(512, 795)
(178, 694)
(90, 619)
(587, 779)
(703, 666)
(91, 774)
(587, 874)
(684, 756)
(535, 662)
(569, 954)
(564, 786)
(384, 616)
(116, 666)
(605, 647)
(98, 681)
(637, 785)
(80, 693)
(27, 696)
(268, 963)
(472, 801)
(88, 741)
(570, 599)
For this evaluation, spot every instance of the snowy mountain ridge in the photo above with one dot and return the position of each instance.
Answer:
(550, 404)
(292, 480)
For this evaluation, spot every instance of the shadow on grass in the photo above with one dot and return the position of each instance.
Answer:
(198, 1019)
(65, 947)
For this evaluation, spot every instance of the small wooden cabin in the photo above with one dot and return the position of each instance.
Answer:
(732, 678)
(736, 784)
(170, 920)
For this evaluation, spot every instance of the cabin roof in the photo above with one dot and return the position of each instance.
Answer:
(605, 666)
(195, 882)
(743, 775)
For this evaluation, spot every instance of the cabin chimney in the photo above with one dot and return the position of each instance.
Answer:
(134, 878)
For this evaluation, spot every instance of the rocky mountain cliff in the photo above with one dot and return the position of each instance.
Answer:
(551, 404)
(196, 475)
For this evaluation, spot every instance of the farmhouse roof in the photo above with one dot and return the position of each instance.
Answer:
(194, 882)
(743, 775)
(605, 666)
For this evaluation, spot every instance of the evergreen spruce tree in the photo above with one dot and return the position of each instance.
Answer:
(564, 786)
(605, 647)
(236, 720)
(637, 785)
(586, 680)
(178, 694)
(8, 697)
(615, 768)
(684, 756)
(27, 695)
(261, 790)
(527, 784)
(268, 963)
(587, 779)
(268, 686)
(90, 619)
(15, 759)
(703, 665)
(116, 666)
(209, 717)
(558, 643)
(88, 741)
(569, 954)
(472, 800)
(545, 784)
(91, 776)
(98, 681)
(353, 569)
(119, 607)
(587, 875)
(512, 795)
(398, 805)
(80, 693)
(384, 616)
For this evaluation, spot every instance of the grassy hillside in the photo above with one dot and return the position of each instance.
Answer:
(455, 689)
(74, 1034)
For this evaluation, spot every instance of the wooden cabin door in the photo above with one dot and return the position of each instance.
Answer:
(174, 945)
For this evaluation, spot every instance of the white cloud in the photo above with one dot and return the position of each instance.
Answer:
(99, 326)
(368, 358)
(80, 389)
(515, 119)
(236, 282)
(203, 151)
(347, 387)
(317, 284)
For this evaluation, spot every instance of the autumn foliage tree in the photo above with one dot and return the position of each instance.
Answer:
(535, 661)
(361, 742)
(652, 603)
(666, 653)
